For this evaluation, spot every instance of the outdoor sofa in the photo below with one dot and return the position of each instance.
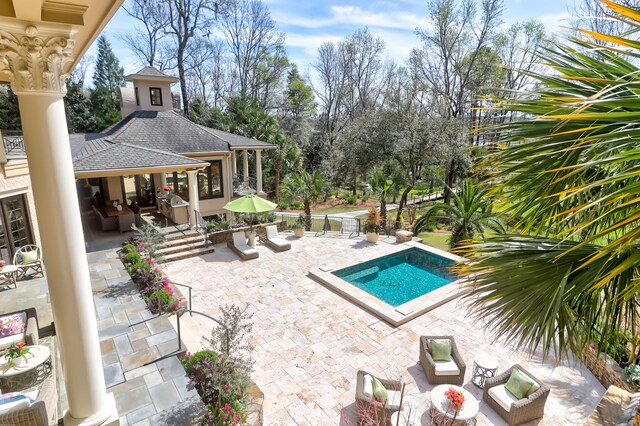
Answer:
(515, 411)
(105, 223)
(29, 335)
(40, 413)
(274, 241)
(241, 248)
(442, 372)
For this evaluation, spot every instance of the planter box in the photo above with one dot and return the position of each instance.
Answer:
(222, 237)
(607, 370)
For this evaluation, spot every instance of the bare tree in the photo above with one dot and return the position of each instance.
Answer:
(591, 15)
(186, 19)
(453, 49)
(252, 39)
(147, 43)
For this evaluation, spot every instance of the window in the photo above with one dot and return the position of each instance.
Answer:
(15, 229)
(137, 97)
(179, 184)
(210, 181)
(156, 96)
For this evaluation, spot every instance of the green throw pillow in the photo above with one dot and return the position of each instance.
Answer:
(29, 256)
(440, 349)
(518, 384)
(379, 391)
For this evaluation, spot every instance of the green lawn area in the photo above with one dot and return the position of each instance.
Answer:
(338, 209)
(438, 240)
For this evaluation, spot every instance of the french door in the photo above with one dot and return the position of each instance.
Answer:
(15, 228)
(139, 188)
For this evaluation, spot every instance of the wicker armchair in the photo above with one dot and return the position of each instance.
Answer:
(23, 268)
(40, 413)
(31, 329)
(429, 365)
(522, 411)
(368, 408)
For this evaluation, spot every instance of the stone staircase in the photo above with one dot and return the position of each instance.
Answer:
(182, 246)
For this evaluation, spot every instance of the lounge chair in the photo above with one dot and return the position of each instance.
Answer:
(241, 248)
(105, 223)
(617, 407)
(513, 410)
(442, 372)
(368, 408)
(40, 413)
(273, 241)
(28, 258)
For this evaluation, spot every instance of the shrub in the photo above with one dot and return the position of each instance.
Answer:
(295, 205)
(131, 258)
(128, 248)
(148, 239)
(167, 302)
(372, 224)
(268, 217)
(351, 199)
(365, 198)
(633, 373)
(616, 346)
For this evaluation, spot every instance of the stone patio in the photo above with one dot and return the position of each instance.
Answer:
(310, 342)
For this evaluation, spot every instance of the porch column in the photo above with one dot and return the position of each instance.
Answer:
(37, 60)
(259, 173)
(163, 180)
(234, 165)
(194, 202)
(245, 166)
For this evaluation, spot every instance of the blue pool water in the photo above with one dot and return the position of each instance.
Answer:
(399, 277)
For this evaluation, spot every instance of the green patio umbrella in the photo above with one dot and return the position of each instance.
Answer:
(250, 204)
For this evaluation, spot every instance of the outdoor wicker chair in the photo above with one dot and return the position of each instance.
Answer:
(25, 264)
(617, 407)
(520, 411)
(41, 413)
(31, 332)
(442, 372)
(367, 408)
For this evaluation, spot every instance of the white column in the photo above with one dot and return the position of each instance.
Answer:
(194, 203)
(245, 166)
(163, 181)
(234, 165)
(259, 173)
(46, 138)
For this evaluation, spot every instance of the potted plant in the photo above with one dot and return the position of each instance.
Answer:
(16, 353)
(298, 227)
(1, 265)
(372, 225)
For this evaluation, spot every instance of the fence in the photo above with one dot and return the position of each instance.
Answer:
(323, 224)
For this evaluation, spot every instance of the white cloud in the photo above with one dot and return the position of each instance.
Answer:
(556, 22)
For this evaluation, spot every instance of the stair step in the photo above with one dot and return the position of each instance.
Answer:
(188, 253)
(181, 247)
(192, 239)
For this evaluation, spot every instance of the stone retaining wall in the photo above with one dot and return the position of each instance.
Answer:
(607, 370)
(220, 237)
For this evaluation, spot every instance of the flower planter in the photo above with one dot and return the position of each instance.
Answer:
(372, 237)
(298, 232)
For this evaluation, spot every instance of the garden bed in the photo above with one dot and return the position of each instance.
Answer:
(220, 237)
(607, 370)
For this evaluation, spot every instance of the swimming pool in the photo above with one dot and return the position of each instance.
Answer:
(399, 285)
(400, 277)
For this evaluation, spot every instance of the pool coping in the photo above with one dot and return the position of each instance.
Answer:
(400, 314)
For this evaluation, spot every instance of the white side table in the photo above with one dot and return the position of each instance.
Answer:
(8, 273)
(14, 376)
(484, 367)
(441, 407)
(251, 239)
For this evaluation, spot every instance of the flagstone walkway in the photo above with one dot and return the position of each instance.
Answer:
(310, 342)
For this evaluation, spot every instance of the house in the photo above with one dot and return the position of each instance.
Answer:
(153, 147)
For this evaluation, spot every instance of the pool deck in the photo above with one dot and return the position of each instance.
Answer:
(310, 341)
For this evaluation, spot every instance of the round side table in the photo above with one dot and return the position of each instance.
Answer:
(484, 367)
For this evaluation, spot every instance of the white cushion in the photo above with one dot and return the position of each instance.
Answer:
(5, 342)
(272, 232)
(447, 368)
(367, 386)
(280, 242)
(502, 396)
(17, 401)
(394, 399)
(239, 239)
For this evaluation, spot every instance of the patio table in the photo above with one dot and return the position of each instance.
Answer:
(15, 377)
(111, 211)
(8, 275)
(441, 407)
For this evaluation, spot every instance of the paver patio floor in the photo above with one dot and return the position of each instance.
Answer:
(310, 342)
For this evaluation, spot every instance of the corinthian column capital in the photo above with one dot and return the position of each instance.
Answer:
(35, 60)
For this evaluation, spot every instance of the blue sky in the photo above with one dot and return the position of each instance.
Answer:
(308, 23)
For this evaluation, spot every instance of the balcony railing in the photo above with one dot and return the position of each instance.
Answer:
(240, 187)
(13, 143)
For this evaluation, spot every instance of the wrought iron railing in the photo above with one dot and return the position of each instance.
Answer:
(13, 142)
(324, 224)
(242, 187)
(201, 227)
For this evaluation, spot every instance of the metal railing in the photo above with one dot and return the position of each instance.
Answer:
(191, 312)
(160, 285)
(201, 227)
(13, 142)
(242, 187)
(324, 224)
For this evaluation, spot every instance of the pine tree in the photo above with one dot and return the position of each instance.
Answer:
(107, 79)
(9, 112)
(78, 109)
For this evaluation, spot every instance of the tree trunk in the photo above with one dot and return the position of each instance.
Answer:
(449, 182)
(403, 201)
(307, 215)
(383, 209)
(276, 177)
(183, 82)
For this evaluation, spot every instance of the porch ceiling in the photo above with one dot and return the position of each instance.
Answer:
(86, 17)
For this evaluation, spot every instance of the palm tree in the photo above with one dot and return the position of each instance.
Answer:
(384, 187)
(569, 174)
(307, 187)
(286, 156)
(468, 215)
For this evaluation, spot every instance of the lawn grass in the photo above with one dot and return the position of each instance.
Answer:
(439, 240)
(339, 209)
